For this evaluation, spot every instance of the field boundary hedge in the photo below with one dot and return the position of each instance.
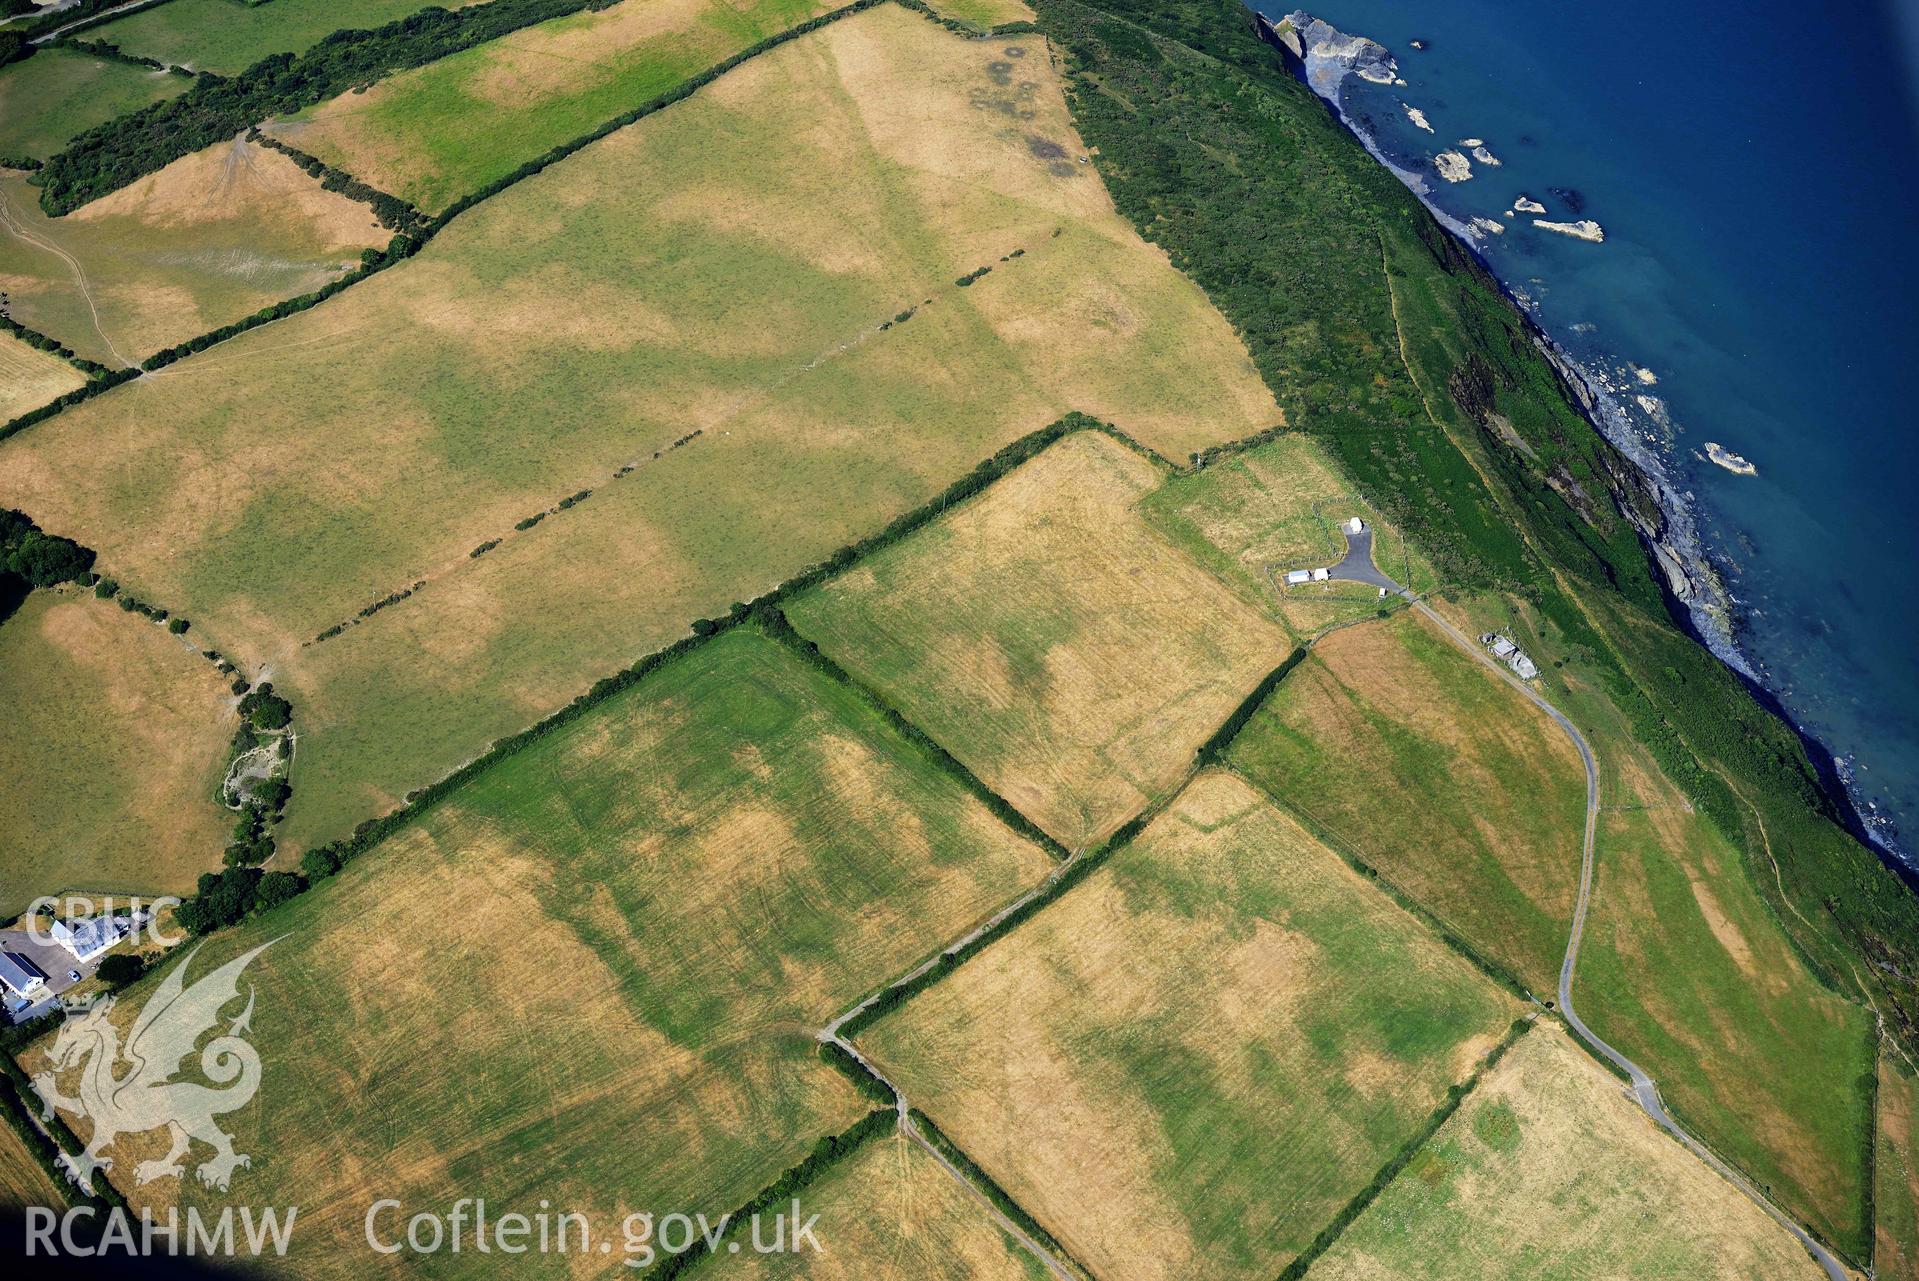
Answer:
(1407, 902)
(1456, 1094)
(827, 1153)
(394, 213)
(989, 1187)
(776, 625)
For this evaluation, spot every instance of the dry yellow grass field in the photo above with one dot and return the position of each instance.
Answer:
(22, 1180)
(594, 975)
(112, 747)
(1429, 768)
(1050, 639)
(211, 238)
(711, 267)
(445, 130)
(1186, 1065)
(1550, 1172)
(30, 378)
(891, 1213)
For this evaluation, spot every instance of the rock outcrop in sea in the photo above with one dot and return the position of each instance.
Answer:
(1641, 487)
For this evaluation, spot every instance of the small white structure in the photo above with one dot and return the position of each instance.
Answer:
(1356, 526)
(1298, 576)
(1322, 575)
(21, 976)
(1514, 657)
(88, 938)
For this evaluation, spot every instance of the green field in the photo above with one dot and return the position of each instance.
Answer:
(1549, 1172)
(1252, 516)
(984, 13)
(1049, 639)
(445, 130)
(1686, 971)
(112, 747)
(890, 1213)
(1426, 766)
(57, 93)
(1187, 1065)
(705, 269)
(1896, 1167)
(227, 38)
(208, 240)
(594, 974)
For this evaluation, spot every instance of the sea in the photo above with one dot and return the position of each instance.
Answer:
(1754, 169)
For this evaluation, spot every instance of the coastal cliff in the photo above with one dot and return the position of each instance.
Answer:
(1382, 333)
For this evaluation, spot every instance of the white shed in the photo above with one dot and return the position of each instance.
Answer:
(1321, 575)
(1356, 525)
(1297, 576)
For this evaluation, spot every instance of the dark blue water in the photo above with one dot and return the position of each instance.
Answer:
(1753, 167)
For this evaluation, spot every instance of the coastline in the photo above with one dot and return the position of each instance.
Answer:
(1696, 596)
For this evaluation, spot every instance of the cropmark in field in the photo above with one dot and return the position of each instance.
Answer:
(445, 130)
(891, 1213)
(112, 747)
(208, 240)
(30, 378)
(594, 974)
(1048, 638)
(1427, 767)
(1190, 1062)
(1551, 1171)
(661, 376)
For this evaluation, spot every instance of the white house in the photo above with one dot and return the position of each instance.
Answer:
(88, 938)
(1356, 525)
(22, 977)
(1297, 576)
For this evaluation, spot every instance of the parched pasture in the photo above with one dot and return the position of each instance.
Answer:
(23, 1180)
(445, 130)
(227, 38)
(1426, 766)
(890, 1213)
(1048, 638)
(112, 747)
(1252, 516)
(30, 378)
(46, 99)
(712, 267)
(208, 240)
(595, 974)
(1186, 1065)
(1550, 1172)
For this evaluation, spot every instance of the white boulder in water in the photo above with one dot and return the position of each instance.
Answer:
(1452, 166)
(1417, 116)
(1584, 229)
(1526, 204)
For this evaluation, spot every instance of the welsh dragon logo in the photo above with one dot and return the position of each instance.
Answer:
(126, 1089)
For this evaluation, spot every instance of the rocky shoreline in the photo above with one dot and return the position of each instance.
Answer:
(1323, 57)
